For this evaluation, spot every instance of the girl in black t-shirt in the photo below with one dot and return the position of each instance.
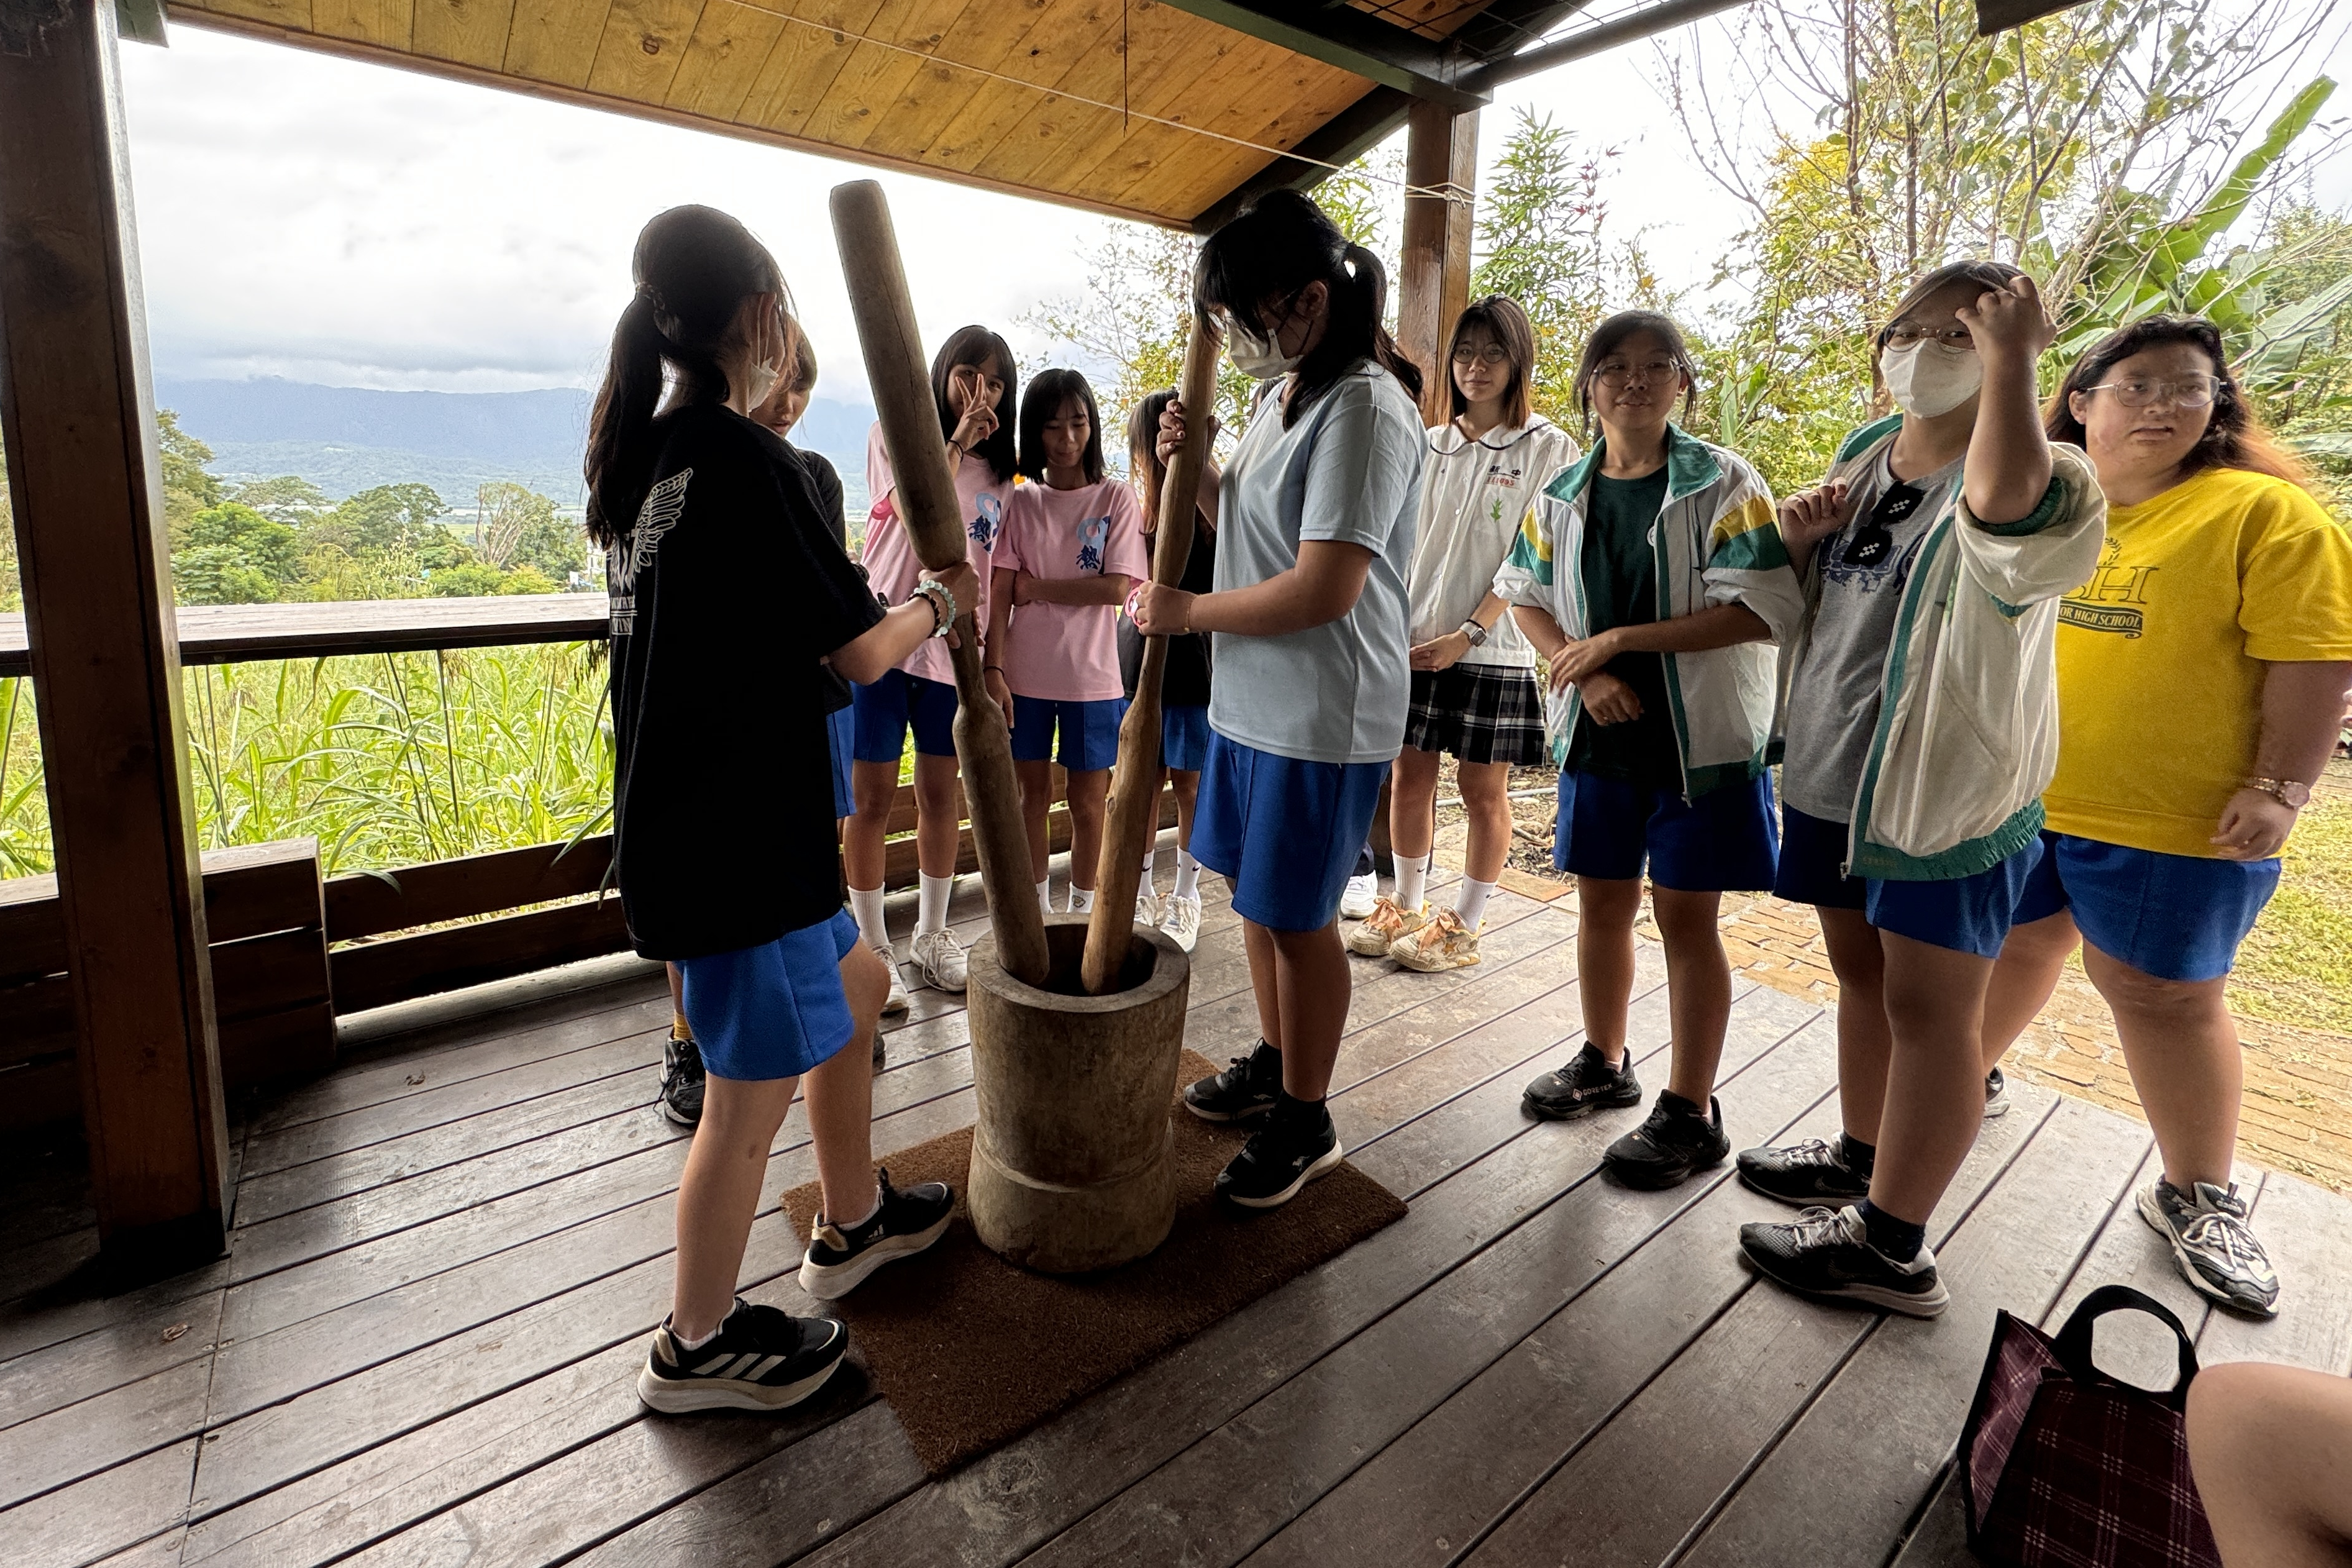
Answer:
(733, 605)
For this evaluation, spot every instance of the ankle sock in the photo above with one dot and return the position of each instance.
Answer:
(687, 1344)
(931, 903)
(865, 903)
(1897, 1238)
(861, 1219)
(1601, 1057)
(678, 1027)
(1857, 1156)
(1046, 894)
(1188, 875)
(1081, 899)
(1311, 1114)
(1681, 1107)
(1150, 860)
(1470, 903)
(1411, 882)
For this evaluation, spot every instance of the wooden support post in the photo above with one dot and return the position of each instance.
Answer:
(85, 477)
(1441, 154)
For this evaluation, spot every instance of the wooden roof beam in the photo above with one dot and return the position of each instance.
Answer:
(1355, 41)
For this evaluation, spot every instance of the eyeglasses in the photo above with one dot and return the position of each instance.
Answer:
(1908, 335)
(1617, 375)
(1875, 537)
(1471, 353)
(2138, 392)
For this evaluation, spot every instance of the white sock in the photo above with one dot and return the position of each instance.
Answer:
(1151, 861)
(865, 903)
(1411, 882)
(931, 904)
(1081, 900)
(1188, 875)
(1045, 896)
(1470, 903)
(861, 1219)
(687, 1344)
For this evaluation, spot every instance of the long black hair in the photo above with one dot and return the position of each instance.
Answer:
(1048, 392)
(2235, 437)
(693, 266)
(1281, 243)
(977, 346)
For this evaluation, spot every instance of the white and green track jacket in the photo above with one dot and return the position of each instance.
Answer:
(1967, 737)
(1716, 541)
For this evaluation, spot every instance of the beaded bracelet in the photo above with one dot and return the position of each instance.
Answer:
(944, 604)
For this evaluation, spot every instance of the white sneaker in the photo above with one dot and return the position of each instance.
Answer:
(941, 958)
(1147, 909)
(897, 1001)
(1183, 921)
(1362, 896)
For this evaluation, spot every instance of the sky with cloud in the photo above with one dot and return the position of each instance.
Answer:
(330, 221)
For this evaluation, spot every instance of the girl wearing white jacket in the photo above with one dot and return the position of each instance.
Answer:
(1473, 676)
(1921, 720)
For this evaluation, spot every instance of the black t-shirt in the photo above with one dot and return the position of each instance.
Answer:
(1621, 574)
(1185, 683)
(726, 592)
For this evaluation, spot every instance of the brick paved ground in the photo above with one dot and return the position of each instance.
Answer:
(2297, 1114)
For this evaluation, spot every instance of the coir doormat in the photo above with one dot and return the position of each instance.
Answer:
(971, 1352)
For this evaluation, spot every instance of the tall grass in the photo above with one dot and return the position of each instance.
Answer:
(387, 760)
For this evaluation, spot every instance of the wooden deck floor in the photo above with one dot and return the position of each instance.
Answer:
(448, 1255)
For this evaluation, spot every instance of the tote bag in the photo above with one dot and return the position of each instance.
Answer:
(2064, 1466)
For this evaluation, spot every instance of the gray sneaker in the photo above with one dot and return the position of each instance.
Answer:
(2213, 1245)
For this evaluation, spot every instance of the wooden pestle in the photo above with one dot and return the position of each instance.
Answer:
(1134, 813)
(933, 519)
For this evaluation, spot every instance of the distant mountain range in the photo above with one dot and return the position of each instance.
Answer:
(348, 438)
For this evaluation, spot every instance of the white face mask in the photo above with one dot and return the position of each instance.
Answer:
(1930, 378)
(762, 379)
(1256, 355)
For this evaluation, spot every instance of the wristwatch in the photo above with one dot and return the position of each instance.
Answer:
(2289, 792)
(1473, 631)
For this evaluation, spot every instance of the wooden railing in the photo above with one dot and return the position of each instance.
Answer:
(291, 949)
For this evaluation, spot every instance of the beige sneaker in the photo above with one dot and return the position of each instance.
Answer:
(1382, 927)
(1443, 944)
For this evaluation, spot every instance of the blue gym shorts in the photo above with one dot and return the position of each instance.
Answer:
(1284, 832)
(772, 1011)
(1089, 731)
(1722, 842)
(1965, 915)
(841, 735)
(885, 708)
(1184, 738)
(2177, 917)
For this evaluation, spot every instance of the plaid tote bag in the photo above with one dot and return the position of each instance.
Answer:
(2064, 1467)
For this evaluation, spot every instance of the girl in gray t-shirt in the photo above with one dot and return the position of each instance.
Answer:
(1308, 622)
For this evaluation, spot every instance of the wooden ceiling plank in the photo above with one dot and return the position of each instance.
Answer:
(1295, 104)
(807, 56)
(644, 44)
(1254, 89)
(982, 126)
(874, 76)
(1169, 87)
(554, 41)
(723, 63)
(293, 14)
(391, 23)
(940, 91)
(473, 32)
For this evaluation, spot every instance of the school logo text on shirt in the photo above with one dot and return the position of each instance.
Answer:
(664, 503)
(1094, 537)
(2114, 600)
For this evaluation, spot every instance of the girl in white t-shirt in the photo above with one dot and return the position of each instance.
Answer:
(973, 383)
(1071, 551)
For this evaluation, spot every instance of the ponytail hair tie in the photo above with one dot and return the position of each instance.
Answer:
(1134, 596)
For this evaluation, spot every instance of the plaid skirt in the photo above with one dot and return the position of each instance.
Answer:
(1480, 713)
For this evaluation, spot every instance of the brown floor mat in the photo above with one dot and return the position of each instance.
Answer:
(973, 1352)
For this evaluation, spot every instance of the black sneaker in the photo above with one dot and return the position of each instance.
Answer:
(1826, 1253)
(1996, 1094)
(1672, 1143)
(1803, 1173)
(1247, 1088)
(1585, 1083)
(682, 1081)
(1281, 1157)
(761, 1360)
(840, 1257)
(2212, 1244)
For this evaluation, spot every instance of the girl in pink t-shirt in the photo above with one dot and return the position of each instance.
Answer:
(1071, 551)
(973, 383)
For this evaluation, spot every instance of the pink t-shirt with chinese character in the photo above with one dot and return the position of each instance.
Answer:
(891, 565)
(1068, 653)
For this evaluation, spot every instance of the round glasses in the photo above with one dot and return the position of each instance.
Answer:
(1908, 335)
(2138, 392)
(1471, 353)
(1617, 376)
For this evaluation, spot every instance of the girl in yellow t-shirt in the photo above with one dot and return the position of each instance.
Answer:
(2202, 675)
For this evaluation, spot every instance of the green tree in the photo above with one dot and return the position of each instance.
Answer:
(234, 555)
(467, 580)
(527, 579)
(516, 527)
(288, 498)
(188, 484)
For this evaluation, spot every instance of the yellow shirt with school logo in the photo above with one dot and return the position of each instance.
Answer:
(2161, 654)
